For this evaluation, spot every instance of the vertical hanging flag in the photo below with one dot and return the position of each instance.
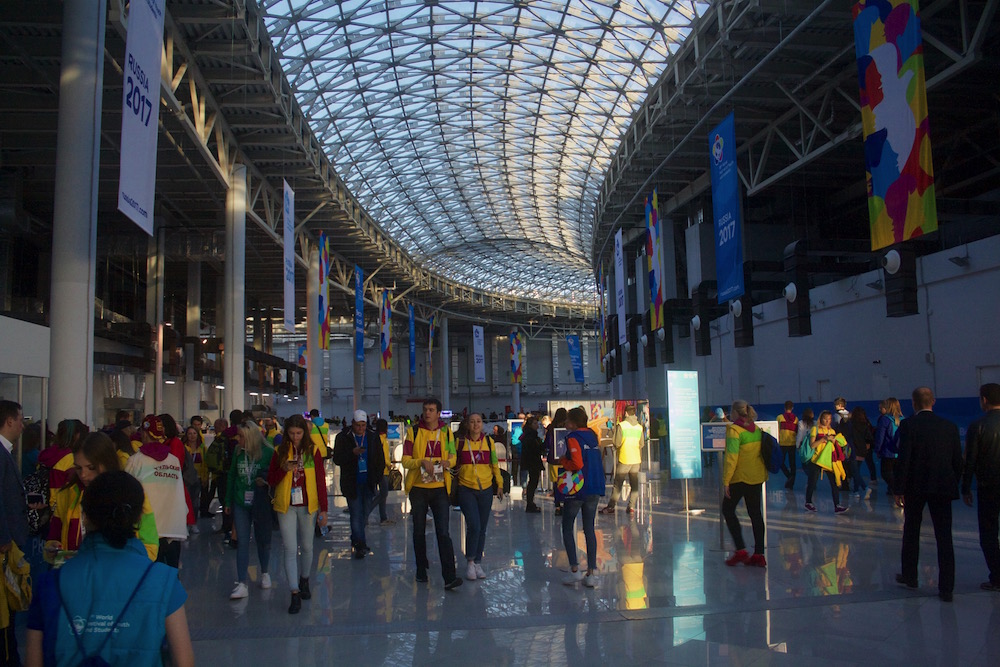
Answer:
(516, 358)
(654, 261)
(303, 355)
(726, 209)
(620, 288)
(600, 325)
(323, 312)
(359, 314)
(386, 338)
(413, 341)
(288, 239)
(479, 353)
(888, 44)
(575, 357)
(430, 345)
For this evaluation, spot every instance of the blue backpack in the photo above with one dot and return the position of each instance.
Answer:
(594, 483)
(771, 452)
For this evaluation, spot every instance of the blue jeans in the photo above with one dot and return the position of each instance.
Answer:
(859, 482)
(476, 507)
(571, 507)
(243, 517)
(437, 500)
(360, 506)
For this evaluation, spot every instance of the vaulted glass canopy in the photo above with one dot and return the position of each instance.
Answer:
(477, 134)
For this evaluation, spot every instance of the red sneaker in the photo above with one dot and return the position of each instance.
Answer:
(757, 560)
(740, 556)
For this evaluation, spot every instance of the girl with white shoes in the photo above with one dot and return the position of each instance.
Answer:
(249, 501)
(479, 481)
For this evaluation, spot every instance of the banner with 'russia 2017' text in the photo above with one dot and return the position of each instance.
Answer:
(726, 210)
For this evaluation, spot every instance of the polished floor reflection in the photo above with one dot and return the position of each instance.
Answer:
(827, 597)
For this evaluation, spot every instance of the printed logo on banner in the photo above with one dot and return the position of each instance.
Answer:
(479, 353)
(726, 209)
(359, 314)
(575, 357)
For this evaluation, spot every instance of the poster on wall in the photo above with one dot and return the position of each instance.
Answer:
(726, 210)
(685, 424)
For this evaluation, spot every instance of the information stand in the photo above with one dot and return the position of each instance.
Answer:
(683, 408)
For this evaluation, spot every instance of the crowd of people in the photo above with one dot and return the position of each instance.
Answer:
(127, 498)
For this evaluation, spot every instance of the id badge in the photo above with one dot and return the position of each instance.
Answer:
(297, 497)
(438, 471)
(248, 498)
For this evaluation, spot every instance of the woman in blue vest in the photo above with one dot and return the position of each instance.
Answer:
(122, 605)
(583, 484)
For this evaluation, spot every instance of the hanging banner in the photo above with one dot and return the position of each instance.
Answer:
(140, 112)
(359, 314)
(289, 252)
(430, 348)
(684, 423)
(726, 209)
(413, 342)
(385, 319)
(323, 312)
(601, 290)
(516, 357)
(303, 355)
(575, 357)
(654, 262)
(620, 288)
(888, 44)
(479, 353)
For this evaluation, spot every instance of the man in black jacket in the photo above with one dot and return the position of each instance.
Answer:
(982, 459)
(927, 473)
(358, 452)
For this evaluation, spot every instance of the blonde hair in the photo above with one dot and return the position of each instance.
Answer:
(892, 407)
(742, 409)
(253, 441)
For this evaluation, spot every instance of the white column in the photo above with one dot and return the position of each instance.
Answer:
(234, 324)
(74, 225)
(445, 365)
(192, 384)
(314, 355)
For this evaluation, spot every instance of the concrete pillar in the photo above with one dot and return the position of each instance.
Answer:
(445, 365)
(74, 225)
(314, 355)
(192, 384)
(234, 317)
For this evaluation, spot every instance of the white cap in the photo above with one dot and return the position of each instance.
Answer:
(360, 416)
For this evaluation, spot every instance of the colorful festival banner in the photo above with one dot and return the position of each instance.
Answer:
(359, 314)
(654, 262)
(516, 357)
(888, 44)
(385, 319)
(430, 346)
(726, 209)
(303, 355)
(479, 353)
(323, 312)
(413, 341)
(575, 357)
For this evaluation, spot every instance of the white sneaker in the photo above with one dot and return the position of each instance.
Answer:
(239, 592)
(590, 580)
(868, 493)
(573, 577)
(265, 580)
(470, 572)
(480, 573)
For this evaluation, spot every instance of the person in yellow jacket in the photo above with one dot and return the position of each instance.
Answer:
(382, 428)
(628, 441)
(743, 477)
(479, 481)
(788, 426)
(822, 437)
(428, 455)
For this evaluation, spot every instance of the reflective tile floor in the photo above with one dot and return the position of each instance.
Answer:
(828, 596)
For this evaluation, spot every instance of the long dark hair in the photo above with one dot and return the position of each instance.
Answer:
(170, 429)
(295, 421)
(70, 432)
(558, 421)
(100, 451)
(113, 506)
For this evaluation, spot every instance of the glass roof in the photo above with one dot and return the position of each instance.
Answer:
(477, 134)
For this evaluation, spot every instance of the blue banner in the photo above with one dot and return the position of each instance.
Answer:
(413, 343)
(683, 413)
(575, 357)
(726, 210)
(359, 314)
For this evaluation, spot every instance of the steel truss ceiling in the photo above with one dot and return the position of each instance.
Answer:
(476, 134)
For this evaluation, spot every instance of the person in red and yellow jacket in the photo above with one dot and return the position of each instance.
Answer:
(824, 441)
(299, 481)
(743, 477)
(478, 481)
(788, 426)
(428, 454)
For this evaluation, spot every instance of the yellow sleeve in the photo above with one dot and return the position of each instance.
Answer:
(732, 454)
(408, 461)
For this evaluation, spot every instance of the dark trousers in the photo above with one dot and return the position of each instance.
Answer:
(170, 552)
(789, 461)
(870, 462)
(751, 493)
(913, 514)
(476, 506)
(887, 467)
(383, 494)
(8, 646)
(813, 471)
(587, 506)
(988, 508)
(437, 500)
(359, 507)
(529, 491)
(209, 491)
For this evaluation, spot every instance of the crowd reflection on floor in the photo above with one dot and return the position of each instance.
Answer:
(828, 595)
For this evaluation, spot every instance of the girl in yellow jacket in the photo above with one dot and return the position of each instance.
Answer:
(743, 476)
(478, 481)
(822, 437)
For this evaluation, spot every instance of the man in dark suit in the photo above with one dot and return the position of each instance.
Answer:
(13, 518)
(982, 460)
(927, 473)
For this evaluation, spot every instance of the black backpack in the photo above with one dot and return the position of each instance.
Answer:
(770, 452)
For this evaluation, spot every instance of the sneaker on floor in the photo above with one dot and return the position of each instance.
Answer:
(839, 509)
(590, 580)
(572, 578)
(421, 577)
(757, 560)
(740, 556)
(480, 573)
(265, 581)
(810, 507)
(296, 605)
(868, 493)
(239, 592)
(470, 572)
(453, 584)
(903, 581)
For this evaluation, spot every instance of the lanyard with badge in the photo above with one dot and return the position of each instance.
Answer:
(298, 496)
(363, 458)
(250, 468)
(433, 451)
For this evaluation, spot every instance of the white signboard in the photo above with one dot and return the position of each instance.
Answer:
(140, 112)
(289, 241)
(479, 353)
(620, 288)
